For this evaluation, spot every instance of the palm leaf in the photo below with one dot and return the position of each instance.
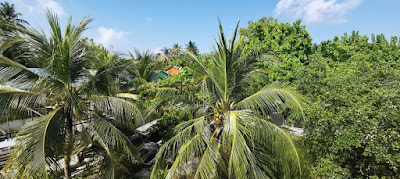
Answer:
(123, 111)
(128, 96)
(275, 151)
(113, 142)
(186, 132)
(242, 162)
(19, 103)
(271, 99)
(37, 146)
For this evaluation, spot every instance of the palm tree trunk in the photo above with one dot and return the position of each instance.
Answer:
(67, 168)
(69, 145)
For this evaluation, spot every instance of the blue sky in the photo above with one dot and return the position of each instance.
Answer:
(150, 24)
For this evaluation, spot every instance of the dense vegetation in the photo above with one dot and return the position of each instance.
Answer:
(214, 116)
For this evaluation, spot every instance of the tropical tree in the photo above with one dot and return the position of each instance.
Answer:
(352, 124)
(10, 37)
(192, 47)
(9, 17)
(144, 65)
(176, 51)
(165, 57)
(75, 107)
(230, 139)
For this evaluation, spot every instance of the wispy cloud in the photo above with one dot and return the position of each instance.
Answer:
(39, 6)
(149, 19)
(317, 11)
(108, 36)
(42, 5)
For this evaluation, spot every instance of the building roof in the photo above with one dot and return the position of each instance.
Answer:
(173, 70)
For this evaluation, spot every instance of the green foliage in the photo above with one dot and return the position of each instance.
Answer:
(354, 118)
(325, 168)
(164, 128)
(192, 47)
(267, 36)
(279, 49)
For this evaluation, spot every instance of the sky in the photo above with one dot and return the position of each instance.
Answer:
(151, 25)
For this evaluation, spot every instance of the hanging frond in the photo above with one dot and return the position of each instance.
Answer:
(113, 142)
(207, 166)
(242, 162)
(18, 103)
(4, 62)
(123, 112)
(186, 132)
(110, 138)
(37, 147)
(275, 151)
(17, 78)
(128, 96)
(271, 99)
(15, 74)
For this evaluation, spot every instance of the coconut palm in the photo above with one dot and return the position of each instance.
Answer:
(165, 57)
(9, 17)
(75, 107)
(192, 47)
(10, 43)
(176, 51)
(144, 65)
(230, 139)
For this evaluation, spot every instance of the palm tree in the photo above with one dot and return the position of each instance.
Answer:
(165, 57)
(144, 66)
(75, 107)
(192, 47)
(10, 42)
(9, 17)
(176, 51)
(230, 139)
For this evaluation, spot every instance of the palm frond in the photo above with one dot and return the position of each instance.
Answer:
(16, 75)
(106, 78)
(9, 43)
(189, 131)
(275, 151)
(145, 66)
(209, 161)
(271, 99)
(113, 142)
(242, 162)
(19, 103)
(37, 147)
(123, 111)
(128, 96)
(178, 99)
(5, 62)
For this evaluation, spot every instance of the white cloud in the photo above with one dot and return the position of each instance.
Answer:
(38, 6)
(42, 5)
(107, 36)
(317, 11)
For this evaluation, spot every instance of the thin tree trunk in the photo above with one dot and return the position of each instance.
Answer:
(69, 144)
(67, 168)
